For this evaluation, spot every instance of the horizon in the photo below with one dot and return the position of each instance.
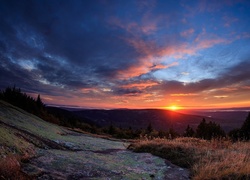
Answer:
(179, 109)
(128, 54)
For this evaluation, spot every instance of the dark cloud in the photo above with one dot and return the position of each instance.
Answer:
(238, 73)
(81, 47)
(128, 92)
(77, 31)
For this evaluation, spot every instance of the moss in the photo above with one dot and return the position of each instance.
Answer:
(11, 144)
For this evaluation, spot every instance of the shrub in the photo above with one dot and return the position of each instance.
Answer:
(10, 168)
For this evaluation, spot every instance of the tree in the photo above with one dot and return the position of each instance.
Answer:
(172, 133)
(149, 128)
(189, 132)
(201, 129)
(236, 134)
(39, 102)
(209, 130)
(246, 128)
(111, 130)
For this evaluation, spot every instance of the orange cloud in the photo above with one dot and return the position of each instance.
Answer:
(142, 67)
(228, 89)
(161, 66)
(122, 102)
(48, 98)
(183, 95)
(151, 53)
(246, 87)
(210, 42)
(221, 96)
(88, 90)
(140, 86)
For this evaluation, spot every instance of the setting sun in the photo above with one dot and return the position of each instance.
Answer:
(173, 108)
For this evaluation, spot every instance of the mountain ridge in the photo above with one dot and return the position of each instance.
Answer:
(159, 118)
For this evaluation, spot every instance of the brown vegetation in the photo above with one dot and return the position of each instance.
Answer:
(215, 159)
(10, 167)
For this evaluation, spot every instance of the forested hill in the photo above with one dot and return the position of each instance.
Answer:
(158, 118)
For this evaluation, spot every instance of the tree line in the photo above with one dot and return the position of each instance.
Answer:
(32, 105)
(206, 130)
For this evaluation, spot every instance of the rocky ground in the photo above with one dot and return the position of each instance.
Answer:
(60, 153)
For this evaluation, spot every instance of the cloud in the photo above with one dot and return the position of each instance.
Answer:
(127, 92)
(185, 73)
(183, 95)
(228, 21)
(151, 54)
(161, 66)
(221, 96)
(139, 85)
(187, 33)
(209, 5)
(236, 77)
(105, 50)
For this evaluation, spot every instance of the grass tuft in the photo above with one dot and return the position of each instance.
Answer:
(215, 159)
(10, 168)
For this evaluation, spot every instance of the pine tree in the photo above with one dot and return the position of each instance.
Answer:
(209, 130)
(111, 129)
(201, 129)
(246, 128)
(39, 102)
(149, 128)
(189, 132)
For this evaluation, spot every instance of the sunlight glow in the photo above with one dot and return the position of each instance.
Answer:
(173, 108)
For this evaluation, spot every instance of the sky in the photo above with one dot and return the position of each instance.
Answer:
(128, 54)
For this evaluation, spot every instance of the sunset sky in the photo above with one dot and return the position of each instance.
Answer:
(128, 54)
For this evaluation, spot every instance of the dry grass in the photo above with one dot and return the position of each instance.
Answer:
(216, 159)
(10, 163)
(10, 168)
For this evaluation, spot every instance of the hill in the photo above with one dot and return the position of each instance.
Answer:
(160, 119)
(32, 148)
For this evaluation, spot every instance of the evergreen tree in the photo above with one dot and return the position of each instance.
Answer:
(201, 129)
(111, 130)
(149, 128)
(172, 133)
(39, 102)
(189, 132)
(246, 128)
(236, 134)
(209, 130)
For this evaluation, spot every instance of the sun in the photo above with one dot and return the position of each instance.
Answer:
(173, 108)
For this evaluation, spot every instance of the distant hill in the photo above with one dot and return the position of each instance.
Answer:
(160, 119)
(66, 116)
(136, 119)
(228, 118)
